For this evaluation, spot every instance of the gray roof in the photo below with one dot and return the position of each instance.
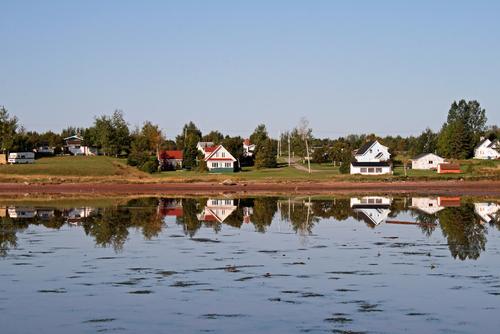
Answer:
(366, 146)
(423, 155)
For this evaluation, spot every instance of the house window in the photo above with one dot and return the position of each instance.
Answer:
(228, 165)
(379, 201)
(378, 170)
(371, 170)
(223, 154)
(363, 170)
(215, 165)
(431, 162)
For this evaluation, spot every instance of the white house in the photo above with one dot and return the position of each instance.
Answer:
(217, 210)
(372, 159)
(219, 160)
(373, 210)
(426, 161)
(203, 145)
(486, 211)
(487, 149)
(372, 151)
(248, 148)
(73, 145)
(428, 205)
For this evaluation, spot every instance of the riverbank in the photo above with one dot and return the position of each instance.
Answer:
(454, 187)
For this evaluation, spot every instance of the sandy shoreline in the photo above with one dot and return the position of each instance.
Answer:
(472, 188)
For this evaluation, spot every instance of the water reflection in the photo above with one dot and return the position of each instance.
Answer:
(463, 223)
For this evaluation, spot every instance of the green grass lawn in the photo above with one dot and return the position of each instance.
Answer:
(71, 166)
(472, 169)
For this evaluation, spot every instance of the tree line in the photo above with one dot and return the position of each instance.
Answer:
(113, 136)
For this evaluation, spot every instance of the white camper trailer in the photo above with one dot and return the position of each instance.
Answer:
(21, 158)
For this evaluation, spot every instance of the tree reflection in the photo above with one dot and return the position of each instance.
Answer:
(466, 236)
(464, 227)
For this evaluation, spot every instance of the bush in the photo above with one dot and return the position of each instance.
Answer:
(150, 166)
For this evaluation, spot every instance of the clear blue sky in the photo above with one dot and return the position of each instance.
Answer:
(386, 67)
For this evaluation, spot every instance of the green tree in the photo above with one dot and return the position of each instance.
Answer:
(8, 128)
(266, 155)
(259, 136)
(465, 124)
(214, 136)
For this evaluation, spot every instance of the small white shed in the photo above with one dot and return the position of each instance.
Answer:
(426, 161)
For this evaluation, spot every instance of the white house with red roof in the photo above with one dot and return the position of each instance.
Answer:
(217, 210)
(219, 160)
(170, 159)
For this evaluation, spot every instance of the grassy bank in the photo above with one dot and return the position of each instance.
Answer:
(107, 169)
(71, 169)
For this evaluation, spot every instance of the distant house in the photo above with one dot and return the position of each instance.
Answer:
(487, 149)
(219, 160)
(170, 207)
(217, 210)
(426, 161)
(448, 168)
(428, 205)
(45, 150)
(203, 145)
(74, 145)
(373, 210)
(248, 148)
(487, 211)
(170, 159)
(372, 159)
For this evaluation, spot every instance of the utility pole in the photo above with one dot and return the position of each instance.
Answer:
(308, 157)
(289, 160)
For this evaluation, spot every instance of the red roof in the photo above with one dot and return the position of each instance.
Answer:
(171, 155)
(246, 142)
(211, 148)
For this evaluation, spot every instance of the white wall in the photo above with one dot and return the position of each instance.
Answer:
(376, 170)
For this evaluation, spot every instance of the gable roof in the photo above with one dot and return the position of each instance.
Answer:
(73, 137)
(213, 151)
(423, 155)
(366, 146)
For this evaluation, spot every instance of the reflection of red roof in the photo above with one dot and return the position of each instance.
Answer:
(449, 201)
(171, 155)
(209, 218)
(176, 212)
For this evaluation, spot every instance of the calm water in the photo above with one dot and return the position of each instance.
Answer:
(276, 265)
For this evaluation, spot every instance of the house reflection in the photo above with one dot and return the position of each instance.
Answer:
(217, 210)
(373, 210)
(463, 224)
(487, 212)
